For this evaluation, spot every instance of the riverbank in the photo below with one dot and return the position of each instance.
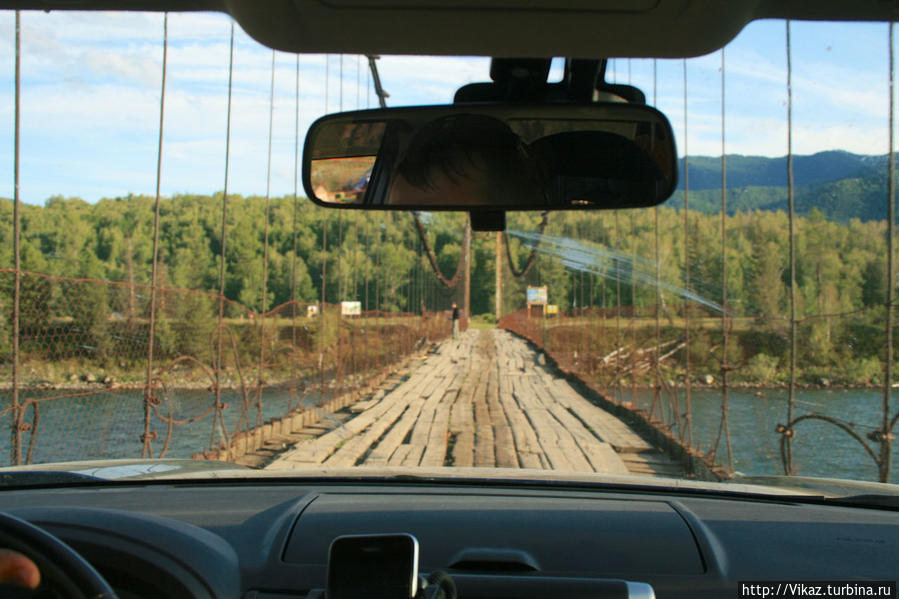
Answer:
(750, 386)
(103, 381)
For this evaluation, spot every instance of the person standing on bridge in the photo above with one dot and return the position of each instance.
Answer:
(455, 321)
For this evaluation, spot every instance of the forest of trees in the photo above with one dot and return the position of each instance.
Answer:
(377, 259)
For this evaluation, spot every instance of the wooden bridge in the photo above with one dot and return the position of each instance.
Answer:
(483, 400)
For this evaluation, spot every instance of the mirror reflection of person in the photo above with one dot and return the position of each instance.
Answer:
(597, 168)
(466, 160)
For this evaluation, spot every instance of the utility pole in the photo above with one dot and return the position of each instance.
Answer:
(499, 275)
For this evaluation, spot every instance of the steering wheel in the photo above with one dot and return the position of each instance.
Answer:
(59, 564)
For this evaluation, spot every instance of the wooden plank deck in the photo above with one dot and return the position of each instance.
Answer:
(482, 400)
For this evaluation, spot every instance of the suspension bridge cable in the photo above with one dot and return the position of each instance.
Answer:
(147, 450)
(673, 409)
(341, 287)
(886, 444)
(602, 287)
(324, 268)
(219, 415)
(355, 293)
(633, 320)
(617, 380)
(617, 321)
(366, 303)
(688, 416)
(264, 298)
(582, 331)
(656, 385)
(341, 293)
(432, 258)
(17, 290)
(724, 425)
(293, 266)
(368, 87)
(787, 453)
(633, 325)
(380, 232)
(341, 290)
(321, 309)
(532, 257)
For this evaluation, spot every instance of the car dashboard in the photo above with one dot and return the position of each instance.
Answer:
(270, 539)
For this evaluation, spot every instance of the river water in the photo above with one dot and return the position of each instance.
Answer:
(819, 448)
(109, 425)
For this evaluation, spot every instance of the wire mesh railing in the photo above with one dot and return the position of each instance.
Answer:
(636, 353)
(83, 352)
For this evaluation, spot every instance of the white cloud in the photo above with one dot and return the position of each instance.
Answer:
(91, 99)
(412, 80)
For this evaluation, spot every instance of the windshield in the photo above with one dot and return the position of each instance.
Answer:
(167, 292)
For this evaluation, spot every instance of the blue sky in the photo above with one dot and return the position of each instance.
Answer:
(91, 99)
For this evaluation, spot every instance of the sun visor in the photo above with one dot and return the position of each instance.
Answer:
(535, 28)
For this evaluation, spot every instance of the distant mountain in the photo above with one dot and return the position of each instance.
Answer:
(840, 184)
(759, 171)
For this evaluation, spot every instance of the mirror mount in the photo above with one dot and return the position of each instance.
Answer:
(513, 80)
(488, 220)
(524, 80)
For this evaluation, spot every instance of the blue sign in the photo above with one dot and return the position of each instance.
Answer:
(538, 295)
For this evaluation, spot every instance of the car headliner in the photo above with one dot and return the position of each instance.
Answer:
(521, 28)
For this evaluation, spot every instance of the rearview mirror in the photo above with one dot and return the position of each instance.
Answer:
(492, 157)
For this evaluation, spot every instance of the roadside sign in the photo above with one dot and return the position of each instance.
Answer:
(552, 309)
(538, 295)
(351, 308)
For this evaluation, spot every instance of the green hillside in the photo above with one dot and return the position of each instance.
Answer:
(87, 267)
(839, 184)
